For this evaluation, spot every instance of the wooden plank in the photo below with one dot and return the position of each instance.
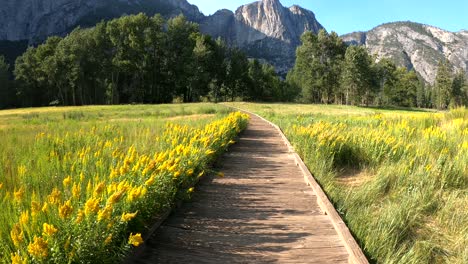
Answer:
(260, 212)
(356, 253)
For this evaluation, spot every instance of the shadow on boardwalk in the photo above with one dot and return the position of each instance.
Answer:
(260, 212)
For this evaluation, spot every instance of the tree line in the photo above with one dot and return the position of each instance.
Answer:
(136, 59)
(141, 59)
(330, 72)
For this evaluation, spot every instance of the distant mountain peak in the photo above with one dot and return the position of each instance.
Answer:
(265, 29)
(271, 2)
(34, 20)
(415, 46)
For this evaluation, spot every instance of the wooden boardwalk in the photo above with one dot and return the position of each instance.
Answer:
(260, 212)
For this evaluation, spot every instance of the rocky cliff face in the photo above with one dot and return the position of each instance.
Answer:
(264, 29)
(415, 46)
(35, 20)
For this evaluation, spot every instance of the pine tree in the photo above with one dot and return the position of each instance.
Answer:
(456, 93)
(318, 67)
(6, 96)
(357, 76)
(443, 85)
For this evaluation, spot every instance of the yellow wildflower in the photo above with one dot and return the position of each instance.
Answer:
(108, 240)
(38, 248)
(24, 218)
(35, 208)
(99, 189)
(190, 172)
(54, 196)
(18, 195)
(89, 188)
(190, 190)
(150, 181)
(105, 213)
(135, 240)
(128, 217)
(17, 235)
(48, 230)
(16, 259)
(45, 207)
(79, 217)
(65, 210)
(92, 206)
(114, 173)
(76, 190)
(115, 198)
(136, 193)
(67, 181)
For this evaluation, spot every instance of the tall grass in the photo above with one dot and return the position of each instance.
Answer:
(77, 186)
(400, 179)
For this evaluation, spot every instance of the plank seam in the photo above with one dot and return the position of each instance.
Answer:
(355, 252)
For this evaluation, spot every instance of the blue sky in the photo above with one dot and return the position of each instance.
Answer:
(346, 16)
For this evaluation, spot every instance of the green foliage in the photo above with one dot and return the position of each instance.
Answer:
(318, 66)
(443, 85)
(458, 95)
(399, 178)
(6, 95)
(137, 59)
(327, 71)
(82, 185)
(357, 76)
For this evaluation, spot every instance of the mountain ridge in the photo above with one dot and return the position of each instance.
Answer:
(415, 46)
(264, 29)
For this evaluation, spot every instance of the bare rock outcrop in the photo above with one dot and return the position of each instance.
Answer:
(415, 46)
(265, 30)
(36, 20)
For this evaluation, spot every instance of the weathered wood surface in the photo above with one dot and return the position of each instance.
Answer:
(260, 212)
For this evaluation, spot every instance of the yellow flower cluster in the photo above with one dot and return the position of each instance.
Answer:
(107, 183)
(420, 143)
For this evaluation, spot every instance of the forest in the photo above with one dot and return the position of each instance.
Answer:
(149, 60)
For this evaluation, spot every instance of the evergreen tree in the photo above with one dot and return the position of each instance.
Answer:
(138, 59)
(237, 75)
(204, 60)
(421, 97)
(7, 96)
(180, 53)
(385, 74)
(443, 85)
(406, 88)
(219, 65)
(356, 78)
(457, 90)
(318, 66)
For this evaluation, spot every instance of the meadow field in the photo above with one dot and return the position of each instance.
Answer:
(399, 178)
(81, 184)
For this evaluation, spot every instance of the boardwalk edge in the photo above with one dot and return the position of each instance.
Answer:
(356, 255)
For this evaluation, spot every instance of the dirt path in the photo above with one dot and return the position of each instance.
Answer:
(260, 212)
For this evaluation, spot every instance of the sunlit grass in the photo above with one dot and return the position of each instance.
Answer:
(399, 177)
(79, 184)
